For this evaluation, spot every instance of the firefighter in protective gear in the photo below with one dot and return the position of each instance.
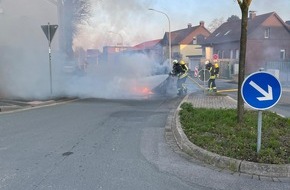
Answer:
(180, 70)
(214, 73)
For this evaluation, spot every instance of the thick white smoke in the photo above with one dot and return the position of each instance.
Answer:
(131, 77)
(24, 69)
(115, 22)
(24, 64)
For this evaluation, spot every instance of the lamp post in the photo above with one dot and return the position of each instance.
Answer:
(169, 32)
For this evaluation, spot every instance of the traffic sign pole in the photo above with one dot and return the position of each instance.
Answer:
(261, 91)
(259, 136)
(49, 57)
(49, 31)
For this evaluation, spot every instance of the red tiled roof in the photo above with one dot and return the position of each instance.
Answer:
(178, 36)
(146, 45)
(231, 31)
(181, 36)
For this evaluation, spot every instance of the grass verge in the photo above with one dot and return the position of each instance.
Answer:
(216, 130)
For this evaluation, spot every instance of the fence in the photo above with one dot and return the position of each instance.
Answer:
(228, 68)
(281, 69)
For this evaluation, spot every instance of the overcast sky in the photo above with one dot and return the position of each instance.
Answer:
(131, 22)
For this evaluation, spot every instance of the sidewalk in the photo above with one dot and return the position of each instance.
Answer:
(7, 105)
(265, 171)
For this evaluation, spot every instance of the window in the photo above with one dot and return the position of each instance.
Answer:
(237, 54)
(194, 41)
(283, 54)
(267, 33)
(227, 32)
(231, 54)
(220, 54)
(223, 55)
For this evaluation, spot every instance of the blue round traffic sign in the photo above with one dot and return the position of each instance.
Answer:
(261, 90)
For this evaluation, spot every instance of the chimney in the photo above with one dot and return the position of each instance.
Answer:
(189, 25)
(201, 23)
(252, 15)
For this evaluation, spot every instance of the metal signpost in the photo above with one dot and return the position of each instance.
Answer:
(49, 31)
(261, 91)
(203, 75)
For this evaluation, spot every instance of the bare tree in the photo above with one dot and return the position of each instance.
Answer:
(244, 6)
(71, 13)
(215, 24)
(233, 18)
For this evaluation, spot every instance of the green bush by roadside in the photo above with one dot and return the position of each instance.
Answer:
(216, 130)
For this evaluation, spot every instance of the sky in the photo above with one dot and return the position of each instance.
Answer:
(130, 22)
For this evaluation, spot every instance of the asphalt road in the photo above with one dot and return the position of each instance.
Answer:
(89, 144)
(104, 144)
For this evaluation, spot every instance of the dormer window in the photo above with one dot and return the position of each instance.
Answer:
(227, 32)
(283, 54)
(267, 33)
(194, 41)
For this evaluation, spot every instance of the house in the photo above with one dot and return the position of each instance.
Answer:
(186, 43)
(268, 42)
(112, 54)
(152, 48)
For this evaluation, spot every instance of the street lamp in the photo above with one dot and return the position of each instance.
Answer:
(169, 32)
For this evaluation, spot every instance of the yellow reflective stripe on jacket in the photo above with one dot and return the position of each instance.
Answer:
(183, 75)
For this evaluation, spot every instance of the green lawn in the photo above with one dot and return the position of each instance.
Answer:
(216, 130)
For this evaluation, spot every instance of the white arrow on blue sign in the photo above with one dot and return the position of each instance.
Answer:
(261, 90)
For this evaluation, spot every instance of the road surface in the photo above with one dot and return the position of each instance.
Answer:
(105, 144)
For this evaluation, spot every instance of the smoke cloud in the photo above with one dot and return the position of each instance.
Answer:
(113, 23)
(24, 63)
(126, 79)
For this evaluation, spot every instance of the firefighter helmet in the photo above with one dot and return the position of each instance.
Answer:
(181, 62)
(207, 62)
(175, 61)
(216, 65)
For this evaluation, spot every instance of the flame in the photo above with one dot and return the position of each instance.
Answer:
(146, 90)
(142, 90)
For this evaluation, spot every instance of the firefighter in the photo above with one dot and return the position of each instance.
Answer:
(214, 73)
(180, 70)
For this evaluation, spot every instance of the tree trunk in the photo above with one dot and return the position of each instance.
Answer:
(243, 49)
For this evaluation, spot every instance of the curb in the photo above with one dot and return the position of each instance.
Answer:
(251, 168)
(32, 105)
(9, 108)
